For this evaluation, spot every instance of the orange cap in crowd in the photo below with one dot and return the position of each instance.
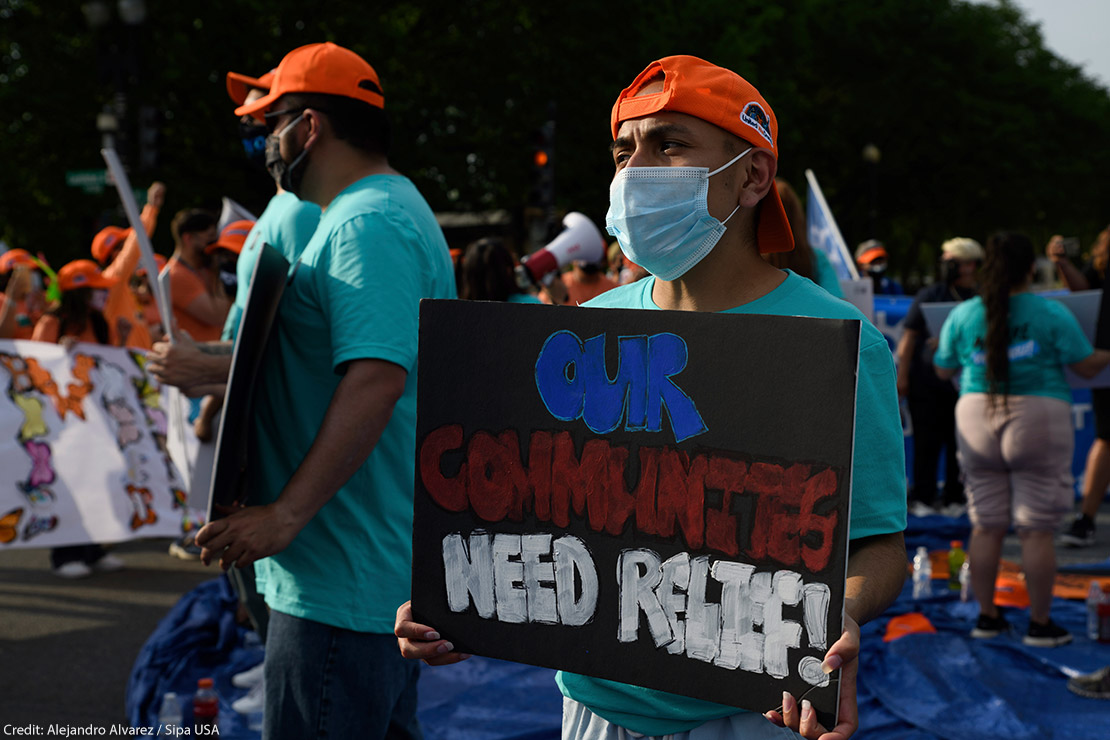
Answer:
(869, 251)
(106, 240)
(719, 96)
(14, 258)
(83, 274)
(325, 69)
(232, 237)
(238, 85)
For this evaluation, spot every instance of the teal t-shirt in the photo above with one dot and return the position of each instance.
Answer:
(286, 225)
(1044, 336)
(878, 489)
(353, 295)
(523, 298)
(824, 274)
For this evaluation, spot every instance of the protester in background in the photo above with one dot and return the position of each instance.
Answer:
(224, 253)
(1013, 425)
(200, 305)
(144, 297)
(332, 477)
(16, 267)
(932, 401)
(585, 280)
(871, 258)
(488, 273)
(79, 318)
(686, 113)
(810, 263)
(119, 249)
(1096, 475)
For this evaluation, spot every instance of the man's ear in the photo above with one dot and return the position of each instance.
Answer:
(316, 123)
(760, 177)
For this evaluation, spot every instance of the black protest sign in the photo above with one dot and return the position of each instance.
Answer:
(653, 497)
(268, 282)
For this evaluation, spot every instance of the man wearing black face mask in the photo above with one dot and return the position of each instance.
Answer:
(932, 401)
(332, 468)
(871, 258)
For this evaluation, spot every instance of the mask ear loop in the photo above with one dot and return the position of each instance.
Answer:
(731, 162)
(724, 167)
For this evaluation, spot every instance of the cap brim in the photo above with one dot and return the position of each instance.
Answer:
(217, 245)
(774, 234)
(258, 107)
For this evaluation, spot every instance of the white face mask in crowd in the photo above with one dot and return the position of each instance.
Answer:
(660, 216)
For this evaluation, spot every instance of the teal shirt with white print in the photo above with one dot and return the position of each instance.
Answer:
(1044, 336)
(878, 489)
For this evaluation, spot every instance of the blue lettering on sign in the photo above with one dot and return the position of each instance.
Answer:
(573, 383)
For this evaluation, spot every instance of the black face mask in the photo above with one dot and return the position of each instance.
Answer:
(253, 137)
(288, 175)
(949, 271)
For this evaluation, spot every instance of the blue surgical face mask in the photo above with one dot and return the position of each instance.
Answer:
(660, 216)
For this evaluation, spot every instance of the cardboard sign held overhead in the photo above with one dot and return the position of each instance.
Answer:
(654, 497)
(268, 281)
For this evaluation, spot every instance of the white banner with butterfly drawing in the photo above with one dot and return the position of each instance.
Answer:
(83, 448)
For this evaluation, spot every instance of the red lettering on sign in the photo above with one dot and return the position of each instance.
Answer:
(669, 497)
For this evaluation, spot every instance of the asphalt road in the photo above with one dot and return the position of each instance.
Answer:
(67, 647)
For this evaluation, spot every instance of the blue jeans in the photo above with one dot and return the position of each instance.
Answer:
(327, 682)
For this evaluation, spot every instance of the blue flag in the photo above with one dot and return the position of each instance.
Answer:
(824, 233)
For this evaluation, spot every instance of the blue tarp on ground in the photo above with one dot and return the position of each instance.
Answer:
(919, 687)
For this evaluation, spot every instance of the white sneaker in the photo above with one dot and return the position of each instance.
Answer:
(252, 702)
(109, 563)
(73, 569)
(249, 679)
(954, 510)
(922, 509)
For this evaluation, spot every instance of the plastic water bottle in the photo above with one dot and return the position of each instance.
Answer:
(922, 574)
(169, 715)
(1094, 599)
(965, 581)
(956, 558)
(206, 708)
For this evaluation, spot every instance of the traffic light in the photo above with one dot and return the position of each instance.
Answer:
(543, 161)
(150, 131)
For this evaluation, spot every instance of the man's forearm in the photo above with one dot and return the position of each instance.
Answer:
(358, 413)
(876, 572)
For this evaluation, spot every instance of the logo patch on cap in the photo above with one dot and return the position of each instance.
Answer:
(754, 115)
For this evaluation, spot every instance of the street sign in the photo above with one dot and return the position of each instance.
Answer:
(91, 181)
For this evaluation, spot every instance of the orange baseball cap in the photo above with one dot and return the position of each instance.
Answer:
(14, 258)
(238, 85)
(869, 251)
(232, 237)
(106, 240)
(719, 96)
(83, 274)
(325, 69)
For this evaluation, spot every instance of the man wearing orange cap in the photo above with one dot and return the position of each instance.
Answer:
(119, 249)
(871, 258)
(694, 202)
(332, 471)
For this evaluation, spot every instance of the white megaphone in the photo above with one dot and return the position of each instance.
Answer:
(579, 240)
